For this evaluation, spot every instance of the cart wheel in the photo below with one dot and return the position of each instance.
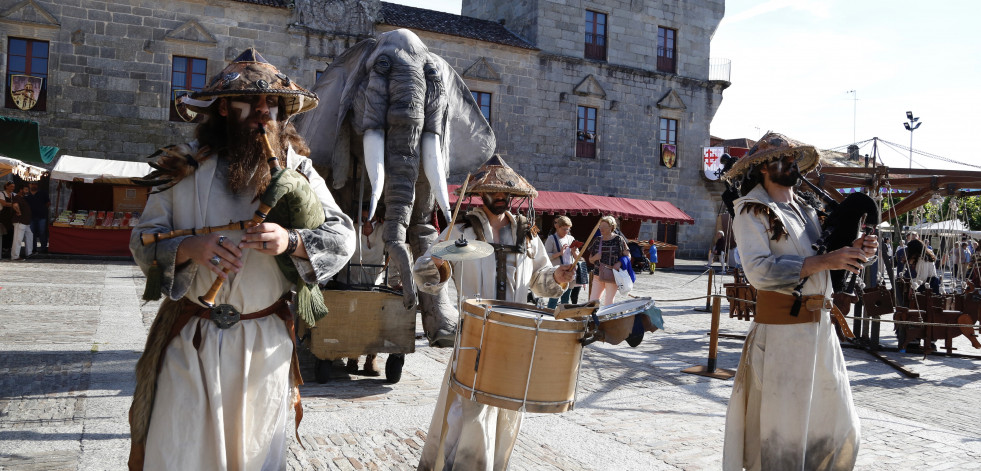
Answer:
(393, 367)
(322, 370)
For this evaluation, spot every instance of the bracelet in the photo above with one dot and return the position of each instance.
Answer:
(294, 240)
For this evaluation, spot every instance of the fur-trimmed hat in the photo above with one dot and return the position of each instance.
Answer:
(251, 74)
(771, 147)
(496, 176)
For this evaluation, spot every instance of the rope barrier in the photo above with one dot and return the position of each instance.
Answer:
(870, 319)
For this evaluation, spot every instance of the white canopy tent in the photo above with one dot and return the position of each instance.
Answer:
(88, 170)
(949, 227)
(26, 172)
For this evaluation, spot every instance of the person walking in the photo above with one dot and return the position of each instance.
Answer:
(605, 255)
(560, 250)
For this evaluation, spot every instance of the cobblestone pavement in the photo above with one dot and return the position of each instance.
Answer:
(71, 332)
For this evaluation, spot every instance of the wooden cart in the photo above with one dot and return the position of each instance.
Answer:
(362, 322)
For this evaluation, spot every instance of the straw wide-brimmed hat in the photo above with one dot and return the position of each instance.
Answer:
(496, 176)
(251, 74)
(771, 147)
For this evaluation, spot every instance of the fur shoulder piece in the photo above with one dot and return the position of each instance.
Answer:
(777, 230)
(173, 164)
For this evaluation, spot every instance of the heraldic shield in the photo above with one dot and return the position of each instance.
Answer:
(25, 90)
(180, 107)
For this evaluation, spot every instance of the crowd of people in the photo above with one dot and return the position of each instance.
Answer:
(23, 220)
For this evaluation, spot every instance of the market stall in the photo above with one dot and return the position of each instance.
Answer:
(585, 211)
(97, 205)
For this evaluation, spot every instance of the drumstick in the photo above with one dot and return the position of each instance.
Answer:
(456, 210)
(588, 240)
(584, 247)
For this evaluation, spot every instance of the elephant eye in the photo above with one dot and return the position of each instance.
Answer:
(382, 64)
(431, 73)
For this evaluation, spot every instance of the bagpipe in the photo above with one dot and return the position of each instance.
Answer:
(289, 201)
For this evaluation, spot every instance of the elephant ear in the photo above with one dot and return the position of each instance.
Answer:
(327, 128)
(467, 135)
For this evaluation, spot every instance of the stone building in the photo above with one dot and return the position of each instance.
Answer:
(583, 96)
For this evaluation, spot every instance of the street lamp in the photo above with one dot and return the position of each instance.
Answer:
(911, 126)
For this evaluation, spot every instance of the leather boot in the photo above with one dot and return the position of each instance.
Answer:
(369, 366)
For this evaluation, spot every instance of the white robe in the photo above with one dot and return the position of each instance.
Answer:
(465, 434)
(791, 406)
(224, 404)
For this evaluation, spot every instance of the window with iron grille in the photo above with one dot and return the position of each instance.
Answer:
(188, 75)
(27, 74)
(483, 100)
(666, 51)
(586, 132)
(595, 36)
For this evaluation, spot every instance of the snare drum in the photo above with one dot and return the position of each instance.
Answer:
(518, 357)
(616, 321)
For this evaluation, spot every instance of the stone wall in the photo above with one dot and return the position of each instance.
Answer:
(110, 64)
(534, 104)
(109, 67)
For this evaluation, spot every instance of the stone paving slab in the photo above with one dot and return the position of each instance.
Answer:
(71, 332)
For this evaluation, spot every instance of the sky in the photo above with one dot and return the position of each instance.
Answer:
(833, 72)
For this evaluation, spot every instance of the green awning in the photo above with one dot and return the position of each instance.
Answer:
(20, 141)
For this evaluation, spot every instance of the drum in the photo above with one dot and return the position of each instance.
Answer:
(518, 357)
(616, 321)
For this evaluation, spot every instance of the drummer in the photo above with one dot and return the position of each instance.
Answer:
(476, 436)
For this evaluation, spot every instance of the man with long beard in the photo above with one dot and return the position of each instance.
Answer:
(791, 406)
(212, 392)
(465, 434)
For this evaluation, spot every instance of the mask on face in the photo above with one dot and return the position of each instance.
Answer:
(783, 173)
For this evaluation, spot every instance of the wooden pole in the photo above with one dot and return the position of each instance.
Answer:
(708, 295)
(710, 369)
(714, 334)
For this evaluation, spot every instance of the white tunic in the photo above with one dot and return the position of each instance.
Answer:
(465, 434)
(791, 406)
(223, 405)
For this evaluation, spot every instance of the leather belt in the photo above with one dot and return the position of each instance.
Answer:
(774, 308)
(225, 315)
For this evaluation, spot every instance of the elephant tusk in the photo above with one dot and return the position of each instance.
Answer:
(432, 164)
(374, 163)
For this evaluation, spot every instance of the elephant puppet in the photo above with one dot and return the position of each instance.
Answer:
(388, 108)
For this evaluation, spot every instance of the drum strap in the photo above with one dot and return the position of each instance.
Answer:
(501, 251)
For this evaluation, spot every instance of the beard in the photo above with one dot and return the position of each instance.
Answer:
(780, 174)
(246, 154)
(496, 207)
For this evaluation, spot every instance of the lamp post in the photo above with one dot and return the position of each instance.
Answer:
(854, 113)
(911, 126)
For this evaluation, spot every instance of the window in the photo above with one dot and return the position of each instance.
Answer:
(669, 131)
(668, 137)
(586, 133)
(666, 50)
(483, 100)
(27, 74)
(319, 73)
(595, 36)
(188, 75)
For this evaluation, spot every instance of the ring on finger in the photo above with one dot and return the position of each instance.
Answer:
(221, 240)
(263, 245)
(216, 260)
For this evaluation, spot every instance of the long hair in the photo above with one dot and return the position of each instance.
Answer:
(915, 249)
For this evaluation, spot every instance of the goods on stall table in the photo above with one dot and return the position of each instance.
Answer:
(98, 219)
